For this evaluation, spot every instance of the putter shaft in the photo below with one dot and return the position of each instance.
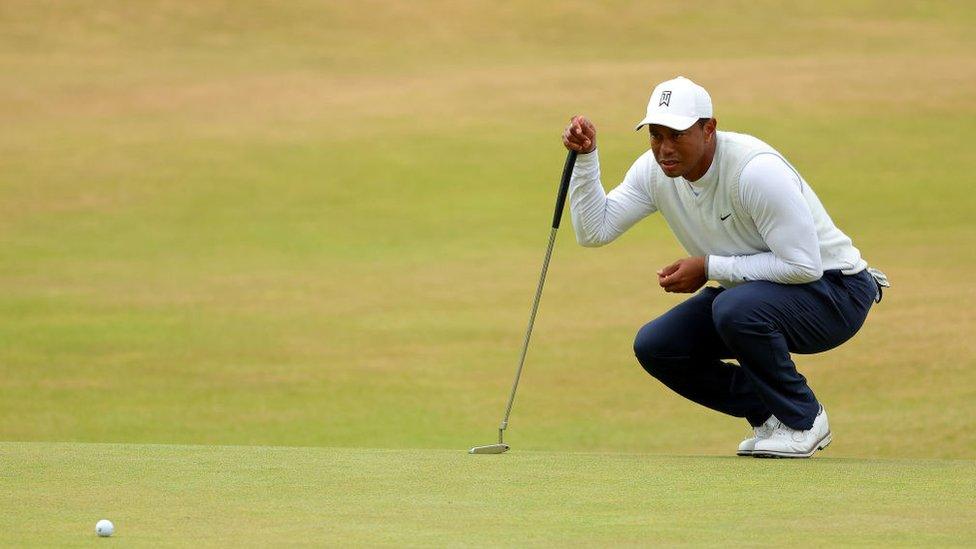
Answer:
(528, 333)
(557, 214)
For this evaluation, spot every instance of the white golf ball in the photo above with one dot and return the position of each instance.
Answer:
(104, 528)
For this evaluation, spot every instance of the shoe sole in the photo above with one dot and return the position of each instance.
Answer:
(824, 442)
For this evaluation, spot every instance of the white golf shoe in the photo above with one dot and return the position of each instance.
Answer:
(791, 443)
(762, 431)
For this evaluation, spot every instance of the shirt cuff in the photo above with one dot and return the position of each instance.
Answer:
(719, 267)
(587, 168)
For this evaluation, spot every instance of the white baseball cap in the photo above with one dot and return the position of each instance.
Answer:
(677, 104)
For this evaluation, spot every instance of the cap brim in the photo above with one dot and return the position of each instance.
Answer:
(672, 121)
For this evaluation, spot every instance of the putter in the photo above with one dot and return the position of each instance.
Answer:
(501, 447)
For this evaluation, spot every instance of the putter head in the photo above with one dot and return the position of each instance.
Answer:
(490, 449)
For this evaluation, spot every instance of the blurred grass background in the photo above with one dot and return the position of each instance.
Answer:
(321, 224)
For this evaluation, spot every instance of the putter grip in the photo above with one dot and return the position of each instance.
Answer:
(563, 188)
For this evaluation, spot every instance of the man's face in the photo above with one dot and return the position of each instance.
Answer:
(683, 153)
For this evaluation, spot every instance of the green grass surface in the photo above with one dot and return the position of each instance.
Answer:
(256, 496)
(319, 224)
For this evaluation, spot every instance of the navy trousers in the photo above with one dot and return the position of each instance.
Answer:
(759, 324)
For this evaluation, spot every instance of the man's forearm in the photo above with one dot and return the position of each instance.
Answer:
(587, 201)
(763, 266)
(598, 217)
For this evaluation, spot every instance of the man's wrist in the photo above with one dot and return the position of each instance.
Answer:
(706, 268)
(720, 267)
(586, 162)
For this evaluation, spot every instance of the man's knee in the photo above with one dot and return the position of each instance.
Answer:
(732, 310)
(651, 349)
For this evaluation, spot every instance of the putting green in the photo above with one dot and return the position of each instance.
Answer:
(52, 494)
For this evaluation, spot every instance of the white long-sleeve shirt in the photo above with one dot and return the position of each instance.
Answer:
(751, 213)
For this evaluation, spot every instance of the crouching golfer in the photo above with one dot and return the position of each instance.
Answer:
(791, 281)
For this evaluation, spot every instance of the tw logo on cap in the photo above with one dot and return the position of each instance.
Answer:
(665, 99)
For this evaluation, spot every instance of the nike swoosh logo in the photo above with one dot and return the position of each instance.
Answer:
(726, 216)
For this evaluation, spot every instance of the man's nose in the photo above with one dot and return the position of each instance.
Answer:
(667, 147)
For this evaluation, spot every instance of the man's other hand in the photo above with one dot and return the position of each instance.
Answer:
(683, 276)
(580, 135)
